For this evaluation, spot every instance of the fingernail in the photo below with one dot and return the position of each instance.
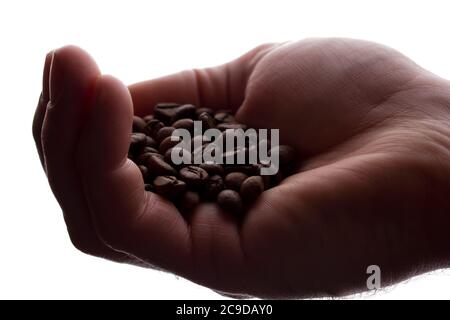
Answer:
(56, 80)
(46, 76)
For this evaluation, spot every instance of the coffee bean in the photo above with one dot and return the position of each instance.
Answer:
(199, 111)
(167, 143)
(224, 117)
(187, 124)
(207, 120)
(138, 124)
(169, 187)
(247, 169)
(148, 118)
(163, 133)
(149, 187)
(152, 127)
(138, 138)
(186, 111)
(212, 168)
(143, 157)
(165, 111)
(183, 153)
(251, 188)
(234, 180)
(144, 171)
(137, 141)
(150, 142)
(153, 150)
(230, 201)
(168, 156)
(158, 167)
(198, 140)
(189, 200)
(149, 150)
(286, 155)
(194, 176)
(213, 185)
(231, 126)
(267, 179)
(198, 152)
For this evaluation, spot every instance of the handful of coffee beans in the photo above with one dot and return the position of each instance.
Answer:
(188, 155)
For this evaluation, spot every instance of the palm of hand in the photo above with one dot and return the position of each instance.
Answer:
(354, 111)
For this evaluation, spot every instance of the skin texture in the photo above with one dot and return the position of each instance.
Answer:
(373, 133)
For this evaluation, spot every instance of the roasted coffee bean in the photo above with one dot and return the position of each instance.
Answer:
(149, 150)
(224, 117)
(138, 138)
(144, 171)
(153, 150)
(137, 141)
(208, 150)
(194, 176)
(138, 124)
(152, 127)
(231, 126)
(207, 120)
(165, 111)
(230, 201)
(198, 152)
(251, 188)
(213, 185)
(234, 180)
(148, 118)
(158, 167)
(212, 168)
(185, 111)
(167, 143)
(199, 111)
(286, 155)
(198, 140)
(247, 169)
(267, 179)
(254, 170)
(163, 133)
(150, 142)
(189, 200)
(169, 186)
(184, 154)
(187, 124)
(143, 157)
(168, 156)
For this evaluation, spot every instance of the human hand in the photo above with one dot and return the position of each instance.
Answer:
(373, 131)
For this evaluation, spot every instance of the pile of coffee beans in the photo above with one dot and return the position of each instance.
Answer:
(232, 186)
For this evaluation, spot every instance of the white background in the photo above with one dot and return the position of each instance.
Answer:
(137, 40)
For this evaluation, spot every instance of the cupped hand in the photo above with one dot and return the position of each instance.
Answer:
(373, 133)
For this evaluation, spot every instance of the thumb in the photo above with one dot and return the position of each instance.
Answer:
(126, 217)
